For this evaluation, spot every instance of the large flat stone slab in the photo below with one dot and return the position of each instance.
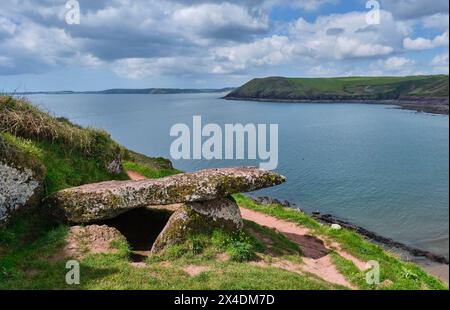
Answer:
(106, 200)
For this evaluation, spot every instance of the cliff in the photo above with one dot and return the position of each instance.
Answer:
(421, 93)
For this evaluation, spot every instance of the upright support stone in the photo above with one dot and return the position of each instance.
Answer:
(199, 217)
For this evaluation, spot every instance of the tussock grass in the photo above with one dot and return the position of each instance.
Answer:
(20, 118)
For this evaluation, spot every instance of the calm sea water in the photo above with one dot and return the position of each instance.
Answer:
(382, 168)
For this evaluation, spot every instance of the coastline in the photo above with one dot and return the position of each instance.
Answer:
(437, 265)
(423, 105)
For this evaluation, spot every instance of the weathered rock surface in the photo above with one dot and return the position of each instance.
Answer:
(106, 200)
(21, 181)
(91, 239)
(199, 217)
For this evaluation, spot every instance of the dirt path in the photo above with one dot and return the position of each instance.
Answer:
(135, 176)
(317, 259)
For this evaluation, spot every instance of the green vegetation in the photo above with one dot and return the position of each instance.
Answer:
(32, 248)
(399, 274)
(71, 155)
(148, 171)
(148, 167)
(344, 88)
(27, 247)
(32, 258)
(21, 119)
(63, 168)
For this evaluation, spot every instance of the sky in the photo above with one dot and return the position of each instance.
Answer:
(214, 44)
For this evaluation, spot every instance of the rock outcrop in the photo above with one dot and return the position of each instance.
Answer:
(21, 181)
(106, 200)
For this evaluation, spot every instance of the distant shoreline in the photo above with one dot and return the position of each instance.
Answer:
(129, 91)
(426, 105)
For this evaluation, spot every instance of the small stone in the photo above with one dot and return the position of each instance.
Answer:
(336, 226)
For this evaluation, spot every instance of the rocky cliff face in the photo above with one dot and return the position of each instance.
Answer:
(21, 181)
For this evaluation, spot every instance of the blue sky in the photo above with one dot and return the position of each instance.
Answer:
(206, 43)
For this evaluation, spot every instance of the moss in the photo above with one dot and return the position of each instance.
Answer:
(180, 192)
(21, 153)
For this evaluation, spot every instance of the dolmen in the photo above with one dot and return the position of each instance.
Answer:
(204, 199)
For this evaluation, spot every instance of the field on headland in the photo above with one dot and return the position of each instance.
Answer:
(298, 253)
(422, 93)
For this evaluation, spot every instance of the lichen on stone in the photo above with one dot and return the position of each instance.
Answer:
(108, 199)
(21, 181)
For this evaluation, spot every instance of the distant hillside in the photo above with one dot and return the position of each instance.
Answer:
(140, 91)
(415, 92)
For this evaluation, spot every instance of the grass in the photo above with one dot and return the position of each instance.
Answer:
(30, 259)
(21, 119)
(25, 248)
(148, 172)
(403, 275)
(63, 167)
(31, 246)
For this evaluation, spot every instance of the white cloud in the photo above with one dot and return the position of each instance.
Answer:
(395, 65)
(420, 44)
(440, 60)
(148, 38)
(437, 21)
(220, 21)
(440, 64)
(355, 39)
(398, 63)
(412, 9)
(139, 68)
(268, 51)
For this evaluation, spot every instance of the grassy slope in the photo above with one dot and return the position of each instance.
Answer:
(71, 155)
(29, 259)
(366, 88)
(29, 247)
(402, 275)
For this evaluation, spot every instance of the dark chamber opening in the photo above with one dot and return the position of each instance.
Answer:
(140, 227)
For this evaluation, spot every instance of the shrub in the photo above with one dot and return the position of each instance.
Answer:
(241, 251)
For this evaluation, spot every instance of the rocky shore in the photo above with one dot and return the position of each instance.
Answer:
(425, 105)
